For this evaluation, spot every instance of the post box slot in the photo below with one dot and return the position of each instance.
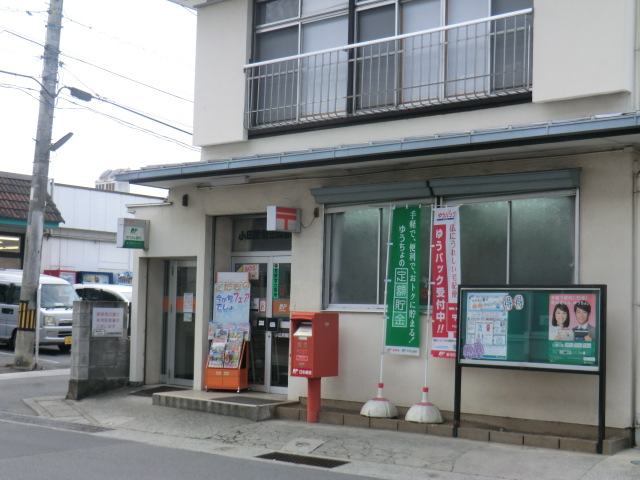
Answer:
(304, 330)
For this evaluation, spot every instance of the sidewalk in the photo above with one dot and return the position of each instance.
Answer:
(371, 453)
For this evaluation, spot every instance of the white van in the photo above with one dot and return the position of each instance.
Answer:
(56, 309)
(104, 292)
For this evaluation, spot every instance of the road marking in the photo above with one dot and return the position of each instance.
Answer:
(35, 373)
(50, 422)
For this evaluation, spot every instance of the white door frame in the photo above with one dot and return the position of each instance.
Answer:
(172, 319)
(268, 258)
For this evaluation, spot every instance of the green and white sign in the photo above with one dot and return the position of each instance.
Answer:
(403, 288)
(132, 233)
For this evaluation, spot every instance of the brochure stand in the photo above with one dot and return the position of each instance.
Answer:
(227, 366)
(229, 331)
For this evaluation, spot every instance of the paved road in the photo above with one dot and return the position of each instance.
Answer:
(49, 358)
(34, 452)
(368, 453)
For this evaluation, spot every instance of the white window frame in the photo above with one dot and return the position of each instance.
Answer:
(450, 201)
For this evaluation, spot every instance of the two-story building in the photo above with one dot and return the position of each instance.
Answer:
(525, 114)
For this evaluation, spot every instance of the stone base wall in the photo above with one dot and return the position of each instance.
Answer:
(98, 363)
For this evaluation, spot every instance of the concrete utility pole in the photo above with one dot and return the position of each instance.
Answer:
(24, 358)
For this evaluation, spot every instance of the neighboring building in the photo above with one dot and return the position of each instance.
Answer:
(84, 247)
(529, 121)
(15, 192)
(108, 182)
(83, 241)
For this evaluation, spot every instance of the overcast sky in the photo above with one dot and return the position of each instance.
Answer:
(138, 54)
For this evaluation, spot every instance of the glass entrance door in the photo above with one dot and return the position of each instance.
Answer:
(270, 278)
(179, 331)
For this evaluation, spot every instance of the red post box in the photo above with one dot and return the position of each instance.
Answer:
(314, 353)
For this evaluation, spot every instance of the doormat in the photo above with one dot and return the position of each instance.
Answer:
(246, 400)
(148, 392)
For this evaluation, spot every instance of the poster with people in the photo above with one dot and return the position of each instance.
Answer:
(573, 329)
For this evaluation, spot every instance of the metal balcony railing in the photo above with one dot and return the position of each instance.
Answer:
(484, 58)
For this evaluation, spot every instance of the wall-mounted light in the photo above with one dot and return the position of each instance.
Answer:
(236, 180)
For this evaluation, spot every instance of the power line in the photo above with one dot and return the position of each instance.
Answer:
(28, 76)
(134, 126)
(125, 77)
(4, 29)
(95, 94)
(87, 97)
(101, 68)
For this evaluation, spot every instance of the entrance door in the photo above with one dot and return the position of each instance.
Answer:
(270, 277)
(179, 331)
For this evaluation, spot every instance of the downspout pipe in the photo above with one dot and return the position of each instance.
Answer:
(635, 257)
(635, 311)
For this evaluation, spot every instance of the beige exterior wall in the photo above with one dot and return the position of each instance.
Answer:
(606, 225)
(222, 49)
(583, 48)
(569, 82)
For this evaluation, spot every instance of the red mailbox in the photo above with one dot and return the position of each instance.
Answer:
(314, 344)
(314, 352)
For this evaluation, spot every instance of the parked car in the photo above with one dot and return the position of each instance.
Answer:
(55, 316)
(104, 292)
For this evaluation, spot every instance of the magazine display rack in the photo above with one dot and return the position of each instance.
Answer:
(227, 366)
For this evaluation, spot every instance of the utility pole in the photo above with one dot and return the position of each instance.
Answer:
(24, 358)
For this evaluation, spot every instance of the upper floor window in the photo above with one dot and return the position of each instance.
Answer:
(322, 59)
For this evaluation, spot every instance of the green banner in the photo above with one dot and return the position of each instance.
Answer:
(403, 287)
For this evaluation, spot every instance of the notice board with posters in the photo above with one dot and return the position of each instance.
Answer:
(554, 328)
(558, 328)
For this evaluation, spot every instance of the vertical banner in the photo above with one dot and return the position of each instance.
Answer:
(403, 288)
(445, 264)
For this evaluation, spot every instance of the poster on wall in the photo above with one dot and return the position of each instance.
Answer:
(572, 329)
(486, 326)
(445, 262)
(107, 322)
(403, 289)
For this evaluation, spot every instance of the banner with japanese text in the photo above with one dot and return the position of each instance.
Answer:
(403, 288)
(445, 264)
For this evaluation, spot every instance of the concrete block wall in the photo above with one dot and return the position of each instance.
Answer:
(98, 363)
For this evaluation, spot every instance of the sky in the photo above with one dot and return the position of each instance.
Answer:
(138, 54)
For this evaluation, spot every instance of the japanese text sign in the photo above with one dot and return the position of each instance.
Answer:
(403, 288)
(445, 257)
(107, 322)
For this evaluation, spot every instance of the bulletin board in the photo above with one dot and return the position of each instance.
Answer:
(545, 328)
(532, 327)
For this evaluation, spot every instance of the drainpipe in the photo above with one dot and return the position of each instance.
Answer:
(635, 332)
(635, 329)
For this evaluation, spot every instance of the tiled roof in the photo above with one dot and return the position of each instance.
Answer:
(15, 191)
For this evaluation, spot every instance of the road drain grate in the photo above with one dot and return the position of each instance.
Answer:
(302, 460)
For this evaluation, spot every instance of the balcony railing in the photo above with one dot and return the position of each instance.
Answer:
(486, 58)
